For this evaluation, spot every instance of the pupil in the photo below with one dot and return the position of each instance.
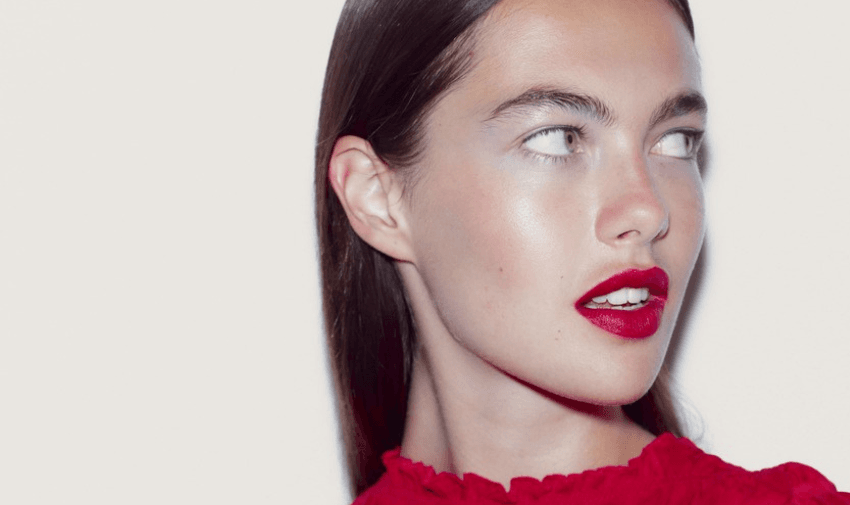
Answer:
(569, 138)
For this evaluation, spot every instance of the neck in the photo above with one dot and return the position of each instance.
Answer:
(500, 434)
(467, 416)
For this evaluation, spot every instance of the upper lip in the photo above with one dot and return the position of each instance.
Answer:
(655, 279)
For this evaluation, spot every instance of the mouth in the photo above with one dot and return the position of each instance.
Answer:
(629, 304)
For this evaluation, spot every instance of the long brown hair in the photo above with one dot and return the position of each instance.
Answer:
(389, 63)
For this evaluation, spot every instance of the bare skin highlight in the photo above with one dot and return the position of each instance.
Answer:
(476, 188)
(510, 208)
(508, 378)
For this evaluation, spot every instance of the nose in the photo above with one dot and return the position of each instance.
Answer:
(632, 211)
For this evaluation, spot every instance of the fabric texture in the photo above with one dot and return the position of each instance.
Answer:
(669, 470)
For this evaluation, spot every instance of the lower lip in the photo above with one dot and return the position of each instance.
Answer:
(637, 323)
(641, 322)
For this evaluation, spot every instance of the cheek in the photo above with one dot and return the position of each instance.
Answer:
(472, 225)
(687, 224)
(488, 240)
(690, 205)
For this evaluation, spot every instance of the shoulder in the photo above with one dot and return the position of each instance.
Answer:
(705, 478)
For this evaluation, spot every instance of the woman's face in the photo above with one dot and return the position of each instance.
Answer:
(566, 157)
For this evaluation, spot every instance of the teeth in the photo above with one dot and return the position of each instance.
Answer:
(623, 296)
(619, 297)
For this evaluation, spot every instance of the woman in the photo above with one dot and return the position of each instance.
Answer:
(509, 210)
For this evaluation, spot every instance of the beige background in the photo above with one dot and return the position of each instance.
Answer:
(159, 318)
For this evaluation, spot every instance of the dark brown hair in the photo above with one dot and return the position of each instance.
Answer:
(390, 62)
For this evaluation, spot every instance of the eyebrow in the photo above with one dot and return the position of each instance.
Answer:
(549, 97)
(688, 102)
(682, 104)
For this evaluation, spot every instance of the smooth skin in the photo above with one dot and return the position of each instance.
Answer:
(553, 165)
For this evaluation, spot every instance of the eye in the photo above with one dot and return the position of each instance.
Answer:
(682, 144)
(556, 142)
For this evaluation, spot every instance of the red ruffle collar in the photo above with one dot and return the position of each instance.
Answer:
(664, 458)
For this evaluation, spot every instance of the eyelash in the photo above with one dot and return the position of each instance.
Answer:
(580, 132)
(694, 135)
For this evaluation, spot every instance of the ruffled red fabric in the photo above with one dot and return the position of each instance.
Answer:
(669, 470)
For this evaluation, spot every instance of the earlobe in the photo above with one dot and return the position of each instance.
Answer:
(371, 195)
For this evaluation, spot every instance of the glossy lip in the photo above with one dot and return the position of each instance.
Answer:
(632, 324)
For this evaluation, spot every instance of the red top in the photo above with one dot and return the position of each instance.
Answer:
(669, 470)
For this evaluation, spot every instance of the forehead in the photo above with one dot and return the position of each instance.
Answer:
(622, 50)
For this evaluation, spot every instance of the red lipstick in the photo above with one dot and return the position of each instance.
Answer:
(628, 322)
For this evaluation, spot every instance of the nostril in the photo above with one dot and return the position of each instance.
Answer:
(633, 215)
(665, 227)
(650, 230)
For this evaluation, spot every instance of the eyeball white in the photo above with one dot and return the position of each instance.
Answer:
(553, 142)
(676, 144)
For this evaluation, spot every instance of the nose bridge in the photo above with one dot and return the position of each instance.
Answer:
(632, 210)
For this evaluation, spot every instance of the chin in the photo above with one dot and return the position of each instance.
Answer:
(617, 397)
(626, 397)
(609, 389)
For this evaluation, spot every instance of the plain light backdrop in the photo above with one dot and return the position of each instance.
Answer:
(160, 334)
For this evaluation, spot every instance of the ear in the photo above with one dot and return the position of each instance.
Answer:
(371, 195)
